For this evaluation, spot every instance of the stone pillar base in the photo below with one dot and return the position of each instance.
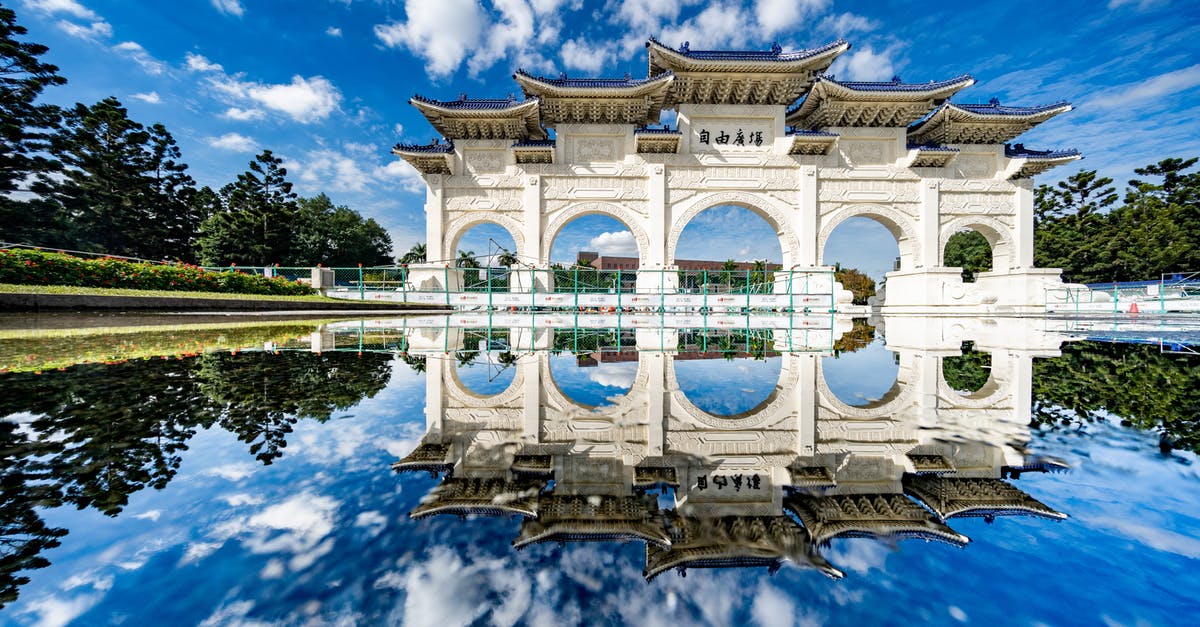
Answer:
(434, 277)
(942, 291)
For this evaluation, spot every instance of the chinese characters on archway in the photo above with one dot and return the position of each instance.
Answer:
(737, 138)
(731, 482)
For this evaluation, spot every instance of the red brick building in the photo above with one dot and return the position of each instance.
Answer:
(602, 262)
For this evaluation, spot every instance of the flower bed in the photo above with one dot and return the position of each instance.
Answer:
(37, 267)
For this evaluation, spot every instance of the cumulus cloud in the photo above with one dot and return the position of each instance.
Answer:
(72, 12)
(135, 51)
(616, 243)
(868, 65)
(149, 97)
(243, 115)
(590, 57)
(199, 63)
(439, 32)
(229, 7)
(333, 31)
(843, 24)
(776, 16)
(304, 100)
(233, 142)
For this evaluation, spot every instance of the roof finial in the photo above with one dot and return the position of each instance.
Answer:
(462, 96)
(995, 102)
(685, 47)
(776, 48)
(511, 98)
(562, 76)
(896, 78)
(628, 76)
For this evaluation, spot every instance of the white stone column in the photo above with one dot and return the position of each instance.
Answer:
(531, 394)
(1023, 231)
(657, 405)
(806, 400)
(436, 374)
(531, 204)
(656, 228)
(805, 225)
(435, 218)
(928, 228)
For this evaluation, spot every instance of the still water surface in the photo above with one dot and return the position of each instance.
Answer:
(444, 472)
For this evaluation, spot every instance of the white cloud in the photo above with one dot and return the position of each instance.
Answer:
(96, 29)
(1155, 87)
(135, 51)
(772, 608)
(1142, 5)
(333, 31)
(441, 32)
(55, 612)
(776, 16)
(617, 243)
(717, 26)
(305, 100)
(232, 472)
(299, 526)
(93, 31)
(68, 7)
(233, 142)
(229, 7)
(578, 54)
(868, 65)
(199, 63)
(243, 115)
(148, 97)
(402, 173)
(843, 24)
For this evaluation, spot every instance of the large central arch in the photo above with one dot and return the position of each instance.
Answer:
(465, 222)
(768, 209)
(896, 222)
(629, 218)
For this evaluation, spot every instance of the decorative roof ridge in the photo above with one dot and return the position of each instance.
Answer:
(434, 147)
(931, 148)
(564, 81)
(805, 132)
(1020, 151)
(473, 103)
(534, 143)
(993, 107)
(776, 52)
(896, 84)
(666, 130)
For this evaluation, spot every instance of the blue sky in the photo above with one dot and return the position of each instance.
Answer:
(325, 84)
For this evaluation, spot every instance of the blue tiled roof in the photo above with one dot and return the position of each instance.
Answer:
(435, 147)
(895, 84)
(534, 143)
(1019, 150)
(809, 133)
(931, 148)
(656, 131)
(473, 103)
(995, 108)
(776, 53)
(564, 81)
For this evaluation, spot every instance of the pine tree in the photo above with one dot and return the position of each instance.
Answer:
(25, 125)
(255, 227)
(174, 221)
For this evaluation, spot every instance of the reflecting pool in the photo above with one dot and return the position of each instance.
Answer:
(559, 469)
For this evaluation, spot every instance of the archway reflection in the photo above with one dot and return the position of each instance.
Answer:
(862, 371)
(485, 362)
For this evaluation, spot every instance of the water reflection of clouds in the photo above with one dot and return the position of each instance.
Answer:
(863, 376)
(596, 385)
(726, 388)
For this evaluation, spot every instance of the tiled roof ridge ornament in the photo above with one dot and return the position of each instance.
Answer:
(562, 76)
(994, 101)
(462, 96)
(776, 48)
(896, 79)
(686, 47)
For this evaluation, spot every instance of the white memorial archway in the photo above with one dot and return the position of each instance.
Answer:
(764, 130)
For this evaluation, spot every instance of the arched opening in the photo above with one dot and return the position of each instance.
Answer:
(594, 253)
(969, 373)
(862, 372)
(864, 247)
(728, 249)
(976, 248)
(727, 373)
(486, 253)
(485, 365)
(594, 368)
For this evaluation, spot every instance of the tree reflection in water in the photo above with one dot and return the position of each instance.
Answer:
(98, 433)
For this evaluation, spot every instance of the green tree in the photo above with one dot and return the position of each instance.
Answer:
(259, 216)
(859, 284)
(507, 259)
(337, 236)
(173, 226)
(416, 254)
(25, 129)
(970, 251)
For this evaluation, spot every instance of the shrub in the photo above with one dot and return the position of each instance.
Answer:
(36, 267)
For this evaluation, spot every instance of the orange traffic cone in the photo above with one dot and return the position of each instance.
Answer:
(1133, 308)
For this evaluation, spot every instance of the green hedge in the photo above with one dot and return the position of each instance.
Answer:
(36, 267)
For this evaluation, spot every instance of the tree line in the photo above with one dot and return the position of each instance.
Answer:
(1080, 227)
(92, 179)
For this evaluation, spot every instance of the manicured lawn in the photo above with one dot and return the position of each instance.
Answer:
(104, 291)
